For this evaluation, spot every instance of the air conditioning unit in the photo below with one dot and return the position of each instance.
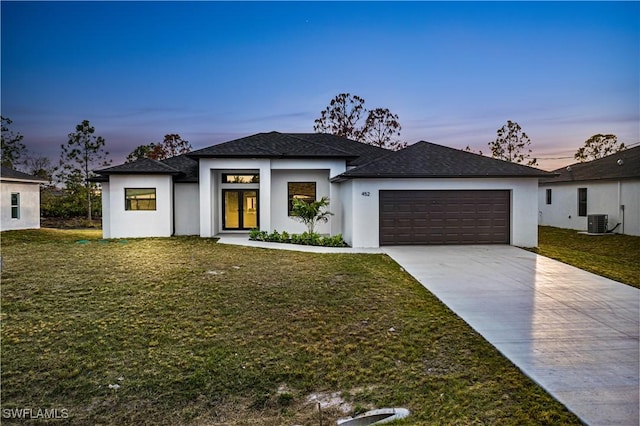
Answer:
(597, 223)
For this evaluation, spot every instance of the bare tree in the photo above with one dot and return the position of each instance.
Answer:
(380, 129)
(341, 117)
(40, 166)
(346, 116)
(512, 144)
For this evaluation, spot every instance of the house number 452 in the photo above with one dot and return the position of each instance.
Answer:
(366, 193)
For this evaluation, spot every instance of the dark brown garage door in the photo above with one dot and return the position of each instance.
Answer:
(444, 217)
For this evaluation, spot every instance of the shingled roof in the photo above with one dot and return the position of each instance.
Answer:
(187, 166)
(141, 166)
(7, 173)
(365, 152)
(429, 160)
(420, 160)
(291, 145)
(621, 165)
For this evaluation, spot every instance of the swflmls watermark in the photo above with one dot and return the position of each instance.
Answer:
(35, 413)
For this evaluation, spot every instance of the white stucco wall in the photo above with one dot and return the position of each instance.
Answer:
(272, 210)
(305, 170)
(280, 218)
(603, 197)
(630, 198)
(346, 210)
(139, 223)
(364, 220)
(210, 193)
(106, 210)
(29, 205)
(187, 209)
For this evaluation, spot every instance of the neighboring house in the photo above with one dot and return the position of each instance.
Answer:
(20, 203)
(423, 194)
(609, 185)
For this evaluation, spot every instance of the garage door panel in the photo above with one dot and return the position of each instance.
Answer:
(444, 217)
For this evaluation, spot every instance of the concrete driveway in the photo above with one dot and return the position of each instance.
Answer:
(574, 333)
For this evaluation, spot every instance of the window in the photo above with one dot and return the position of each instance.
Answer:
(549, 196)
(582, 201)
(305, 191)
(139, 198)
(240, 178)
(15, 205)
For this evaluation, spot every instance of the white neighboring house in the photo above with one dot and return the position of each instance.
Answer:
(609, 186)
(20, 202)
(423, 194)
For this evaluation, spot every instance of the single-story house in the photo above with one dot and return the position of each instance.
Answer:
(422, 194)
(20, 203)
(606, 186)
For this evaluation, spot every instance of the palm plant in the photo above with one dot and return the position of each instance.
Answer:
(311, 213)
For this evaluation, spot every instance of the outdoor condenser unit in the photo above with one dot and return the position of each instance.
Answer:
(597, 223)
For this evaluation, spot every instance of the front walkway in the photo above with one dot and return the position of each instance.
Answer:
(574, 333)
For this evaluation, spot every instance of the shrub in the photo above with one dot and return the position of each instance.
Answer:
(273, 237)
(306, 238)
(257, 235)
(335, 241)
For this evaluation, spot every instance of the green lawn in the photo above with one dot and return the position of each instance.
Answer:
(612, 256)
(193, 332)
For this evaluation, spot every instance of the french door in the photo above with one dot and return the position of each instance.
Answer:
(239, 209)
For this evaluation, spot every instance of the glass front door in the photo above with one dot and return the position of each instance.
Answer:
(239, 209)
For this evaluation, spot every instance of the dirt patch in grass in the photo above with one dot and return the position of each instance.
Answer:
(612, 256)
(139, 331)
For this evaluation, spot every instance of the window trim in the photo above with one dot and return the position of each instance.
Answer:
(290, 196)
(582, 202)
(15, 207)
(254, 180)
(127, 200)
(549, 196)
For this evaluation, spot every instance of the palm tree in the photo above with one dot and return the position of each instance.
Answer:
(311, 213)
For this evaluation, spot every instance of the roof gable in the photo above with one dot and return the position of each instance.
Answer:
(425, 159)
(621, 165)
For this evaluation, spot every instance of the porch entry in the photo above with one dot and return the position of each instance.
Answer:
(239, 209)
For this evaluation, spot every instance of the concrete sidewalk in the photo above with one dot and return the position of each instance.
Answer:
(574, 333)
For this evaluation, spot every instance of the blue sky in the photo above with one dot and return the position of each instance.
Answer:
(454, 71)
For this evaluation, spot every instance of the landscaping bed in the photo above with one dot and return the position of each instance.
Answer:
(185, 331)
(306, 238)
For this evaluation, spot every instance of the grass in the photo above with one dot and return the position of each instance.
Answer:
(193, 332)
(612, 256)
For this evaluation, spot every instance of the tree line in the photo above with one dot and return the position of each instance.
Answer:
(71, 191)
(345, 116)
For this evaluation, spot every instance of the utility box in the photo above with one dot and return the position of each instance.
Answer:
(597, 223)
